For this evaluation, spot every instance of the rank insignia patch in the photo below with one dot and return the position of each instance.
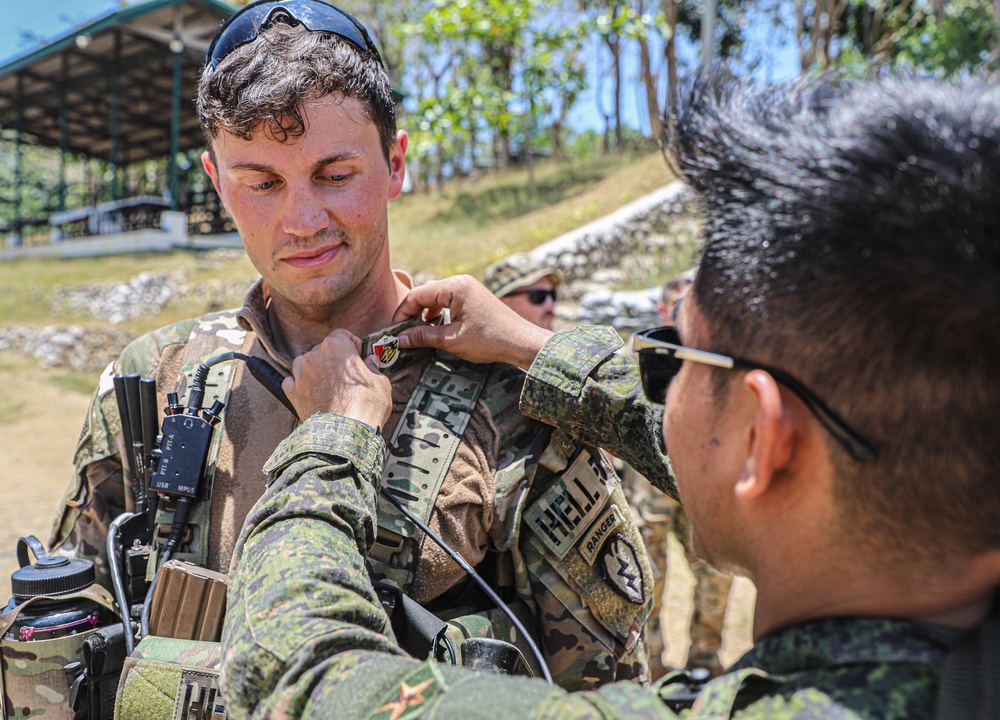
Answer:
(622, 571)
(386, 349)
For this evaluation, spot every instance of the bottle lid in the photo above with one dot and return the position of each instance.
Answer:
(50, 574)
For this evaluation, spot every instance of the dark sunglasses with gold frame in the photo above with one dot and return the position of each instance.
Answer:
(661, 356)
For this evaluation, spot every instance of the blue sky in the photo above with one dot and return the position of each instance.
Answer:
(49, 19)
(44, 18)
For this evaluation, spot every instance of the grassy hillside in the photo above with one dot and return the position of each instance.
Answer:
(462, 229)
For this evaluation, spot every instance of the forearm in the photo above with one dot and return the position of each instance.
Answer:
(301, 596)
(579, 384)
(305, 636)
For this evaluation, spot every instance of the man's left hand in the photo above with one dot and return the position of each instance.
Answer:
(333, 378)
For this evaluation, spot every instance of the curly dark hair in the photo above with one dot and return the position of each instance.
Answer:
(266, 80)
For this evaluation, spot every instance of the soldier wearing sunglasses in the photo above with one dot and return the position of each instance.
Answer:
(829, 398)
(527, 286)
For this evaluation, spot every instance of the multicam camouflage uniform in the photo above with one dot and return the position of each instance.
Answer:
(506, 473)
(330, 650)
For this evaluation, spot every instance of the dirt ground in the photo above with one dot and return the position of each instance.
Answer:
(39, 426)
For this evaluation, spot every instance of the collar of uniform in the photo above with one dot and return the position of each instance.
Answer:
(253, 318)
(831, 642)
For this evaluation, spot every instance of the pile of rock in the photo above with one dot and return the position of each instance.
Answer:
(654, 222)
(144, 294)
(75, 347)
(598, 258)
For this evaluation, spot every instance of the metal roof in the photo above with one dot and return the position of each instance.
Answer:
(132, 45)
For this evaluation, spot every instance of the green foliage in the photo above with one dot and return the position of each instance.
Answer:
(490, 68)
(959, 42)
(944, 38)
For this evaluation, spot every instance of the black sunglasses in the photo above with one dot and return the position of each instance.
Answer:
(661, 356)
(535, 297)
(314, 15)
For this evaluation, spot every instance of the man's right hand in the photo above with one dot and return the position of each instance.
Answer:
(482, 329)
(333, 378)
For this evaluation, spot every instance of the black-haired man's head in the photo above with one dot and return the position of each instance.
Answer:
(852, 239)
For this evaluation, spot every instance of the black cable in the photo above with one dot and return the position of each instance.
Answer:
(116, 580)
(475, 576)
(451, 649)
(263, 371)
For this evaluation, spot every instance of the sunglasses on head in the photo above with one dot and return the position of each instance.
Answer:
(661, 356)
(535, 297)
(314, 15)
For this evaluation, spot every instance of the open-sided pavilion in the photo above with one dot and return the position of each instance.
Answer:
(118, 90)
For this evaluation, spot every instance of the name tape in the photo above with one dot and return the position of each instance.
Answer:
(566, 509)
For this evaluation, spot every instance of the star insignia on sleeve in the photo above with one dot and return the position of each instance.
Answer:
(408, 697)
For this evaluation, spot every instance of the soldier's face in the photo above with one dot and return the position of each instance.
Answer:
(312, 211)
(705, 445)
(540, 314)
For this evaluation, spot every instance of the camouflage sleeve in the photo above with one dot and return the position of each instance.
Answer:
(305, 635)
(579, 384)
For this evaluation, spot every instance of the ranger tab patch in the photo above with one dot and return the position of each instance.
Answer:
(599, 532)
(620, 565)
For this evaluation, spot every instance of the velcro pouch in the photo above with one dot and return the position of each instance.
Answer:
(170, 679)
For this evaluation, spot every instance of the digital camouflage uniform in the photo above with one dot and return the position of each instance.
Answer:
(306, 637)
(505, 467)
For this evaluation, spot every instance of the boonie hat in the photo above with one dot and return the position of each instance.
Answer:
(517, 271)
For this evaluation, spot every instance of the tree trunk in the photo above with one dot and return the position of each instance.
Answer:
(649, 80)
(558, 152)
(527, 150)
(670, 55)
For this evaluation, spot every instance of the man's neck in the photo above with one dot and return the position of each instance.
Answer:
(788, 595)
(298, 329)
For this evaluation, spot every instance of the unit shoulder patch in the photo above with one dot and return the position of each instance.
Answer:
(620, 564)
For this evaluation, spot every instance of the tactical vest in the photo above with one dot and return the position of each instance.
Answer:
(212, 335)
(570, 500)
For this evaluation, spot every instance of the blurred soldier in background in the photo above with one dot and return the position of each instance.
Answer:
(526, 286)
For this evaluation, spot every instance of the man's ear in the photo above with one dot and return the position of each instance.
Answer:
(213, 172)
(397, 164)
(770, 436)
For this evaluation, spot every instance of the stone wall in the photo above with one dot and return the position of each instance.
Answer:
(607, 254)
